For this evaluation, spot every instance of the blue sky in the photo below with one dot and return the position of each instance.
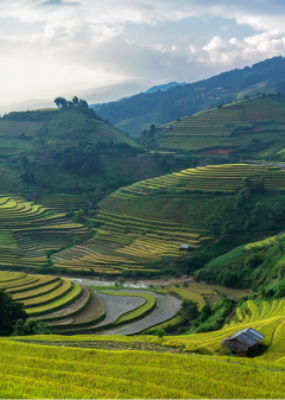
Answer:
(61, 47)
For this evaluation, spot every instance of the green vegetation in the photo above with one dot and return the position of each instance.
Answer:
(139, 112)
(69, 158)
(69, 373)
(10, 313)
(139, 229)
(218, 224)
(39, 294)
(29, 231)
(259, 265)
(251, 128)
(61, 306)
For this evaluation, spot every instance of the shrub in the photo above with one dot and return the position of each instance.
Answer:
(160, 333)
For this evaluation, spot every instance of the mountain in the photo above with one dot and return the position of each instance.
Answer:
(137, 113)
(67, 157)
(139, 229)
(246, 129)
(111, 91)
(164, 87)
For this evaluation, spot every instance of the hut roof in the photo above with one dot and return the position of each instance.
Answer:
(185, 246)
(248, 337)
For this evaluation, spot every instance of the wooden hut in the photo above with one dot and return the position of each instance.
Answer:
(185, 247)
(241, 341)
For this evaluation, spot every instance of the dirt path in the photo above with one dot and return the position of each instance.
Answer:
(167, 306)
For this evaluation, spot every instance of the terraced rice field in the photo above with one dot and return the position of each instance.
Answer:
(266, 317)
(36, 371)
(226, 128)
(39, 294)
(125, 242)
(202, 293)
(225, 178)
(166, 308)
(187, 366)
(29, 231)
(128, 233)
(71, 308)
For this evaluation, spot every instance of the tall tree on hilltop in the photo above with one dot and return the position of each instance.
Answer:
(60, 102)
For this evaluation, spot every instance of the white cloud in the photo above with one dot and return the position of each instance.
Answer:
(235, 51)
(79, 44)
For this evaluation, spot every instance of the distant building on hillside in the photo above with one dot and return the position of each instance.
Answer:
(185, 247)
(167, 128)
(241, 341)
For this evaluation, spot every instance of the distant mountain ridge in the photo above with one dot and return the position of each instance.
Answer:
(136, 113)
(165, 87)
(153, 89)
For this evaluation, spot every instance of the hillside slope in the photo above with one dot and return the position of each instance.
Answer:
(47, 154)
(148, 366)
(219, 206)
(30, 231)
(260, 265)
(250, 128)
(137, 113)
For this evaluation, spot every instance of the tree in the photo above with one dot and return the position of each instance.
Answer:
(60, 102)
(30, 327)
(10, 312)
(83, 104)
(75, 101)
(160, 333)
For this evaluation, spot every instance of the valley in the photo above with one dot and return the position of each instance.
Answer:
(130, 262)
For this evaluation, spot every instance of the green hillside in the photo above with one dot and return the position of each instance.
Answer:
(30, 231)
(185, 366)
(250, 128)
(68, 151)
(211, 209)
(137, 113)
(260, 265)
(67, 307)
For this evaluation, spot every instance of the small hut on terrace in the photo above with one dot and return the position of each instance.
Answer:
(185, 247)
(241, 341)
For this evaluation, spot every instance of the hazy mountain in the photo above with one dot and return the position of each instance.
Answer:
(136, 113)
(164, 87)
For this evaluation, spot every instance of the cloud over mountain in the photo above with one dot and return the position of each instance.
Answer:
(50, 47)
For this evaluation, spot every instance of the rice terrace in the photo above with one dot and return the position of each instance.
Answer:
(142, 239)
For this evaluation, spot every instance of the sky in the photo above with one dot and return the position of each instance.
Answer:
(50, 48)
